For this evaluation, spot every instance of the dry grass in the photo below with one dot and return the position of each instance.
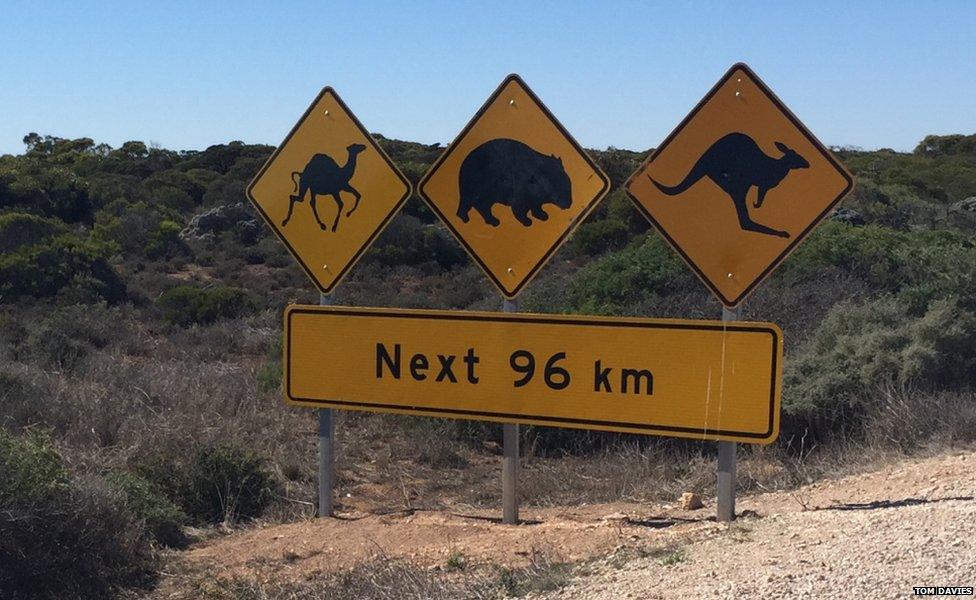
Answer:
(155, 392)
(144, 392)
(389, 579)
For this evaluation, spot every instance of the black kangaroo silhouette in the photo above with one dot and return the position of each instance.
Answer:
(322, 176)
(736, 163)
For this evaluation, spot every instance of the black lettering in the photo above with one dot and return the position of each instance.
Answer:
(418, 366)
(471, 360)
(637, 376)
(601, 378)
(557, 377)
(393, 364)
(446, 371)
(522, 362)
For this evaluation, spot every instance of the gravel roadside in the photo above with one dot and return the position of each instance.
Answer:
(875, 535)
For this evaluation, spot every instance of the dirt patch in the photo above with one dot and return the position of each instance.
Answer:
(298, 550)
(192, 272)
(870, 522)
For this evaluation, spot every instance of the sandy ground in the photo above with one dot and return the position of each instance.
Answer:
(876, 534)
(871, 536)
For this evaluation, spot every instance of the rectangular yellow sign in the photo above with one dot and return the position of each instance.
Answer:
(705, 380)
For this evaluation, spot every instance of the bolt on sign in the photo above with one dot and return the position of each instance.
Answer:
(704, 380)
(328, 190)
(513, 186)
(738, 185)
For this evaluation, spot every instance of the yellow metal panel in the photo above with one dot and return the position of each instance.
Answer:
(512, 252)
(328, 155)
(701, 222)
(705, 380)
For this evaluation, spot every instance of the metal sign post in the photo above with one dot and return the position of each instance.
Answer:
(326, 446)
(510, 447)
(726, 453)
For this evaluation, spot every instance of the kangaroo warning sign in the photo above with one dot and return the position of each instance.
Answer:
(702, 380)
(328, 190)
(738, 185)
(513, 186)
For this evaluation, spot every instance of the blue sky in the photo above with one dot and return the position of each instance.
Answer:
(186, 75)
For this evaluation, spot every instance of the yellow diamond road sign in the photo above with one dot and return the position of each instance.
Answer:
(328, 190)
(513, 186)
(738, 185)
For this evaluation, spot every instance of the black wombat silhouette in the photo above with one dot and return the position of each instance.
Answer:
(322, 176)
(736, 163)
(508, 172)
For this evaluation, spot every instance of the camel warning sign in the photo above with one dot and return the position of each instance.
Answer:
(704, 380)
(513, 186)
(328, 190)
(738, 185)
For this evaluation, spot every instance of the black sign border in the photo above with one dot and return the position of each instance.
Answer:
(796, 240)
(530, 318)
(569, 230)
(379, 229)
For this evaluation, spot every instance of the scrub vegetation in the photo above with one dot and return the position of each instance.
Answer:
(140, 323)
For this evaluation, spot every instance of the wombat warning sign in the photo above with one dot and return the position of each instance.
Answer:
(513, 186)
(738, 185)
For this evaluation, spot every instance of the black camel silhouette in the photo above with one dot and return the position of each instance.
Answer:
(735, 163)
(322, 176)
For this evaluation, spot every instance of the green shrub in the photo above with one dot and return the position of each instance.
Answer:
(409, 241)
(173, 198)
(44, 189)
(894, 205)
(21, 404)
(941, 169)
(860, 348)
(618, 164)
(622, 278)
(31, 470)
(611, 226)
(173, 183)
(599, 236)
(187, 305)
(161, 517)
(227, 483)
(13, 334)
(45, 269)
(943, 145)
(60, 538)
(269, 377)
(21, 229)
(138, 228)
(65, 335)
(57, 349)
(919, 266)
(214, 483)
(164, 241)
